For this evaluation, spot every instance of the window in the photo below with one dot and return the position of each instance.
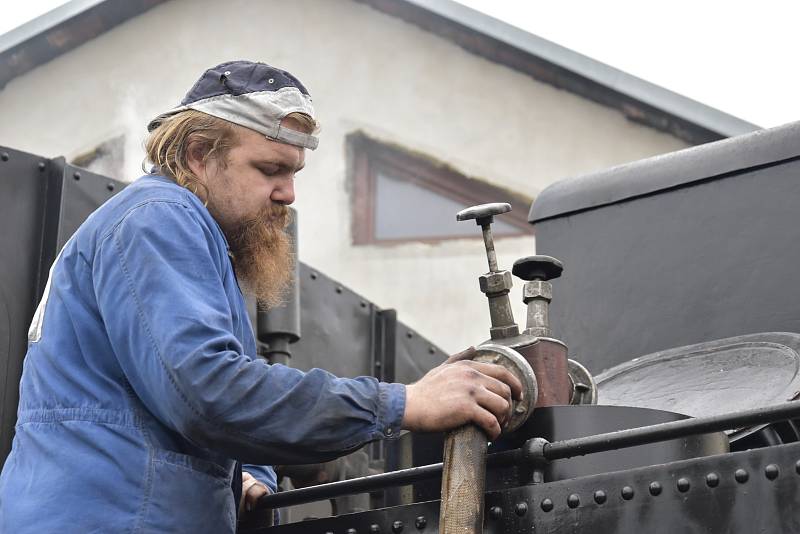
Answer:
(401, 196)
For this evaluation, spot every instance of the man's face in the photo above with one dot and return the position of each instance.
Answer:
(248, 198)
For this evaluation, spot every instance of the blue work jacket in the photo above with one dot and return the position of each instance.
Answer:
(141, 385)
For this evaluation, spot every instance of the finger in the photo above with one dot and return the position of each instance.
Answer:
(467, 354)
(500, 373)
(487, 422)
(497, 405)
(253, 493)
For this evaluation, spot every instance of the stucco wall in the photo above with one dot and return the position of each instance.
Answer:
(367, 71)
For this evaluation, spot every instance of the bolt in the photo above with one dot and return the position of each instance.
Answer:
(409, 334)
(741, 476)
(574, 500)
(110, 186)
(547, 505)
(431, 350)
(772, 471)
(495, 512)
(627, 493)
(397, 526)
(313, 275)
(42, 165)
(684, 485)
(520, 509)
(339, 289)
(4, 156)
(374, 529)
(363, 304)
(655, 489)
(76, 175)
(600, 496)
(420, 522)
(352, 531)
(712, 480)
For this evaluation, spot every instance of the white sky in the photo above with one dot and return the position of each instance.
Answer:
(734, 55)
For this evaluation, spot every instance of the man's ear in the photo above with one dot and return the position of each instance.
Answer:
(195, 154)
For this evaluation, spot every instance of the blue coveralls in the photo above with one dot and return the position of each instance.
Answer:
(141, 385)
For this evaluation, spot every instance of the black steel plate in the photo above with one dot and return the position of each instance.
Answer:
(708, 379)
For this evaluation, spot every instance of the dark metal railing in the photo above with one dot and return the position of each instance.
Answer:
(537, 450)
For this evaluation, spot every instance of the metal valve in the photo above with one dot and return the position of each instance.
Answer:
(496, 283)
(537, 291)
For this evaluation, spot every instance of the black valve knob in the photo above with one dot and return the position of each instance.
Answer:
(537, 268)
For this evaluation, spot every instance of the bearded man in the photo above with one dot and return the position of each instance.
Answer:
(141, 389)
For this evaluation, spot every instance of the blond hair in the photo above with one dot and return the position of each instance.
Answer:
(166, 147)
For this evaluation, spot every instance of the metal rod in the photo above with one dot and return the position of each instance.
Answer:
(488, 242)
(665, 431)
(533, 451)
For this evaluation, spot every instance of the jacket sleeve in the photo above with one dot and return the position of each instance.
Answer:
(158, 279)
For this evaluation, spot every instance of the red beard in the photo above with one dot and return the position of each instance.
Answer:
(262, 255)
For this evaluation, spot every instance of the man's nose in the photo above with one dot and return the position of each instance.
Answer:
(283, 193)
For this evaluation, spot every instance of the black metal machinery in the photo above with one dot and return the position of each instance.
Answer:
(678, 287)
(677, 299)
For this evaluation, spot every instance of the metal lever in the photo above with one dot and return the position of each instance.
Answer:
(537, 291)
(465, 448)
(496, 283)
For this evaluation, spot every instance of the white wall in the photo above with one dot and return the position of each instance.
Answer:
(367, 71)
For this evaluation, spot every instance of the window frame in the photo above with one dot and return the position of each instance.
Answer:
(367, 157)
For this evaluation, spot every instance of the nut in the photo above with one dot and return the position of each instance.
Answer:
(495, 283)
(537, 289)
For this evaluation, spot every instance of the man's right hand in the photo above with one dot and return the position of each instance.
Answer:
(459, 392)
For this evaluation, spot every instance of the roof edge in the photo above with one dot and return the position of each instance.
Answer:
(500, 42)
(60, 30)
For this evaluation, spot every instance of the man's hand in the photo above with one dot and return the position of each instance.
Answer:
(461, 391)
(252, 490)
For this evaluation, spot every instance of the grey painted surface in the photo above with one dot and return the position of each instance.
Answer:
(701, 261)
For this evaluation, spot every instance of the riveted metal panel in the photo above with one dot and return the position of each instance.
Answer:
(737, 493)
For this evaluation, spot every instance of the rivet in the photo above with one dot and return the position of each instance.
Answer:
(420, 522)
(655, 488)
(409, 334)
(600, 496)
(397, 526)
(42, 165)
(573, 501)
(495, 512)
(712, 480)
(684, 485)
(797, 467)
(627, 493)
(4, 156)
(110, 186)
(313, 275)
(271, 80)
(772, 471)
(374, 529)
(352, 531)
(547, 505)
(338, 289)
(521, 509)
(363, 304)
(431, 350)
(741, 476)
(76, 175)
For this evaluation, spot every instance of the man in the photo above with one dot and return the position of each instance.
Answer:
(141, 385)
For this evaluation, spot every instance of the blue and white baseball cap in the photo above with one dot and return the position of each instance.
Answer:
(254, 95)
